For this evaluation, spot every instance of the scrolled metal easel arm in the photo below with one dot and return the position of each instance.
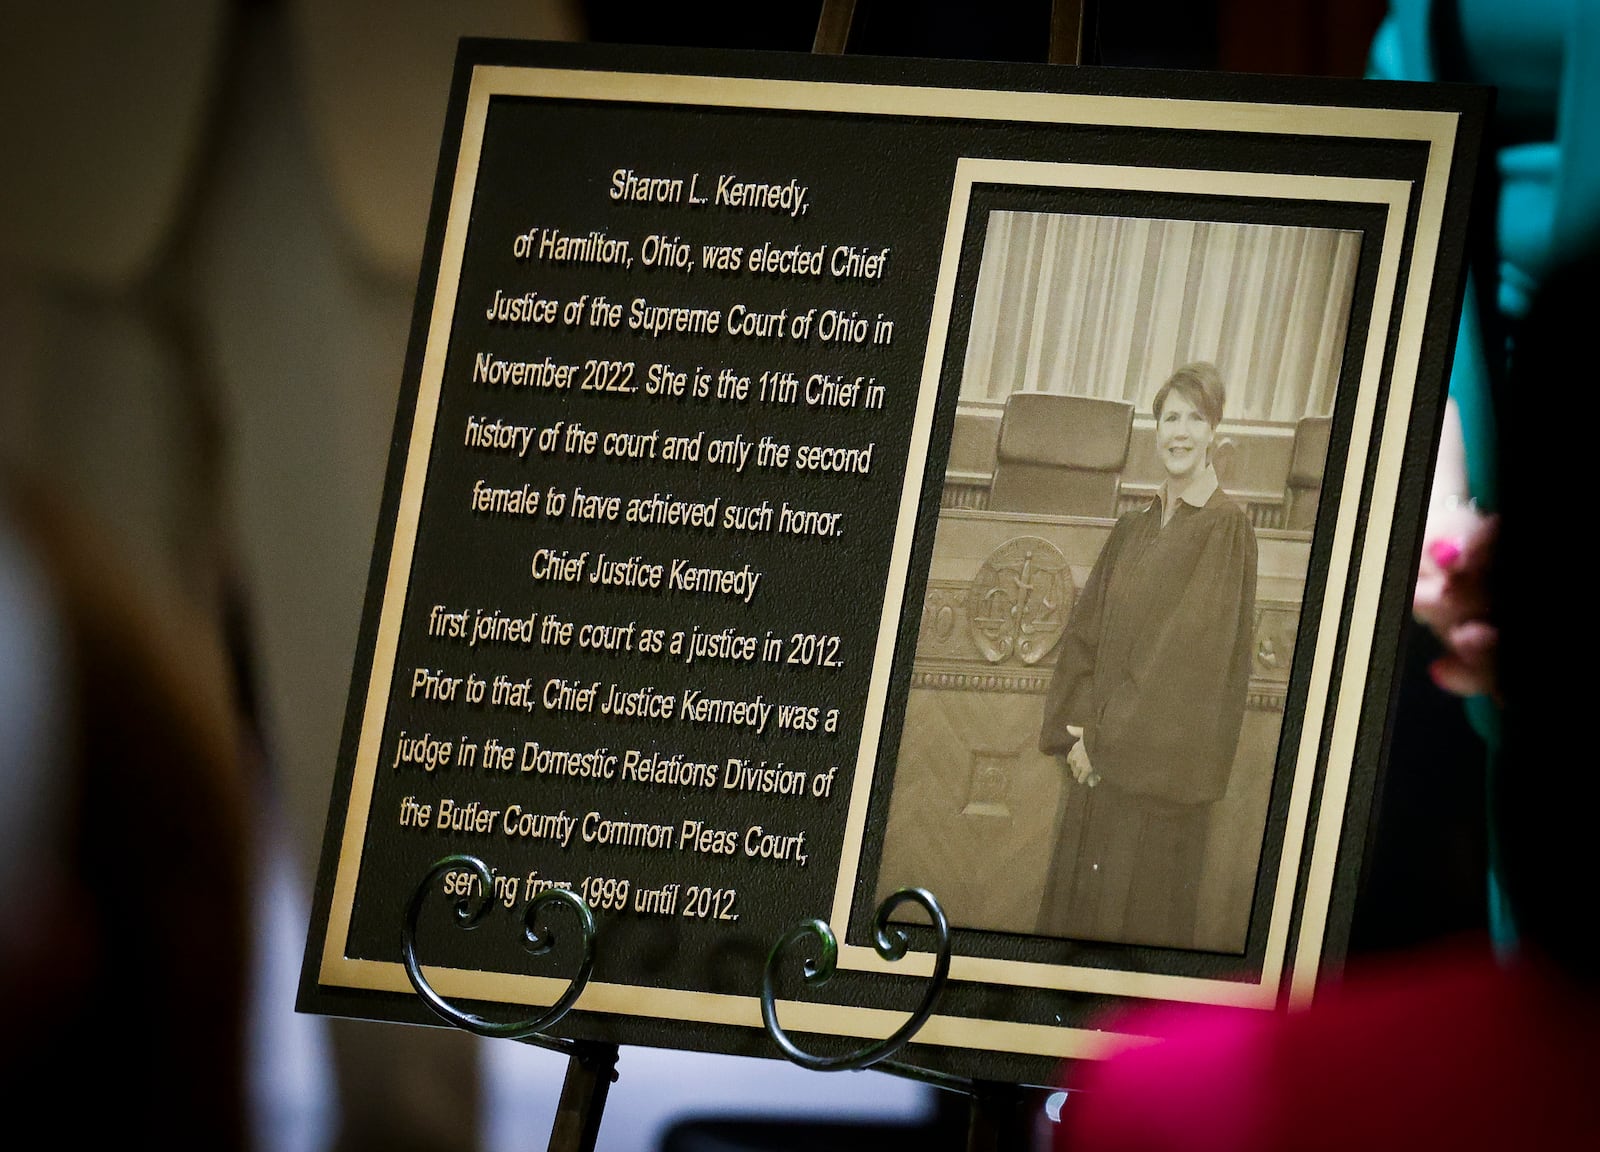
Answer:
(891, 943)
(538, 938)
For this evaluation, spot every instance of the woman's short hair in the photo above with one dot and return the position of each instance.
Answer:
(1201, 385)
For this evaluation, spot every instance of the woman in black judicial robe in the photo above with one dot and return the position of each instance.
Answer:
(1148, 693)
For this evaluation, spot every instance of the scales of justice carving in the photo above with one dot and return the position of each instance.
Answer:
(1019, 602)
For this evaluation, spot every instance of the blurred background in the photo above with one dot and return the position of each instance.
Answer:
(211, 220)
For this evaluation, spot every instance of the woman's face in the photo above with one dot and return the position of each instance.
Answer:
(1183, 436)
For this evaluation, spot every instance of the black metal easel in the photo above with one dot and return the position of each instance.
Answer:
(998, 1118)
(1002, 1114)
(591, 1066)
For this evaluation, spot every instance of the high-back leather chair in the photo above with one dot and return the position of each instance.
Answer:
(1061, 455)
(1303, 493)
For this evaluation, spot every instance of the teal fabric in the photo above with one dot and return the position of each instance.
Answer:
(1470, 389)
(1502, 924)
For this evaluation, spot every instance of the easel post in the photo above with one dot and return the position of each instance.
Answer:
(833, 27)
(1068, 21)
(1001, 1119)
(591, 1070)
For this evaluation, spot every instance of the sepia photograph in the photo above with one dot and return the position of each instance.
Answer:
(1131, 491)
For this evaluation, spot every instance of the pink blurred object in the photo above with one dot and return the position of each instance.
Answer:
(1445, 552)
(1449, 1050)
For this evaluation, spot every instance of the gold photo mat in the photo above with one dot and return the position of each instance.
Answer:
(1387, 430)
(1392, 196)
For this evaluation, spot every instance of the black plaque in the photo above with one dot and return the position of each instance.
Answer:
(682, 515)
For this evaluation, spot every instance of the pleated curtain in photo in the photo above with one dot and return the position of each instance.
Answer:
(1108, 306)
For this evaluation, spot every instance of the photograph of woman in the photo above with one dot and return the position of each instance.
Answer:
(1116, 585)
(1146, 703)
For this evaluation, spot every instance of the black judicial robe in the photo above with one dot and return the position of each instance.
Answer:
(1155, 659)
(1153, 666)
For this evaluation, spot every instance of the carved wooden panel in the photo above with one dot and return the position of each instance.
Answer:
(975, 809)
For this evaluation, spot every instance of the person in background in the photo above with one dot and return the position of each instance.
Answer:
(124, 967)
(1540, 202)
